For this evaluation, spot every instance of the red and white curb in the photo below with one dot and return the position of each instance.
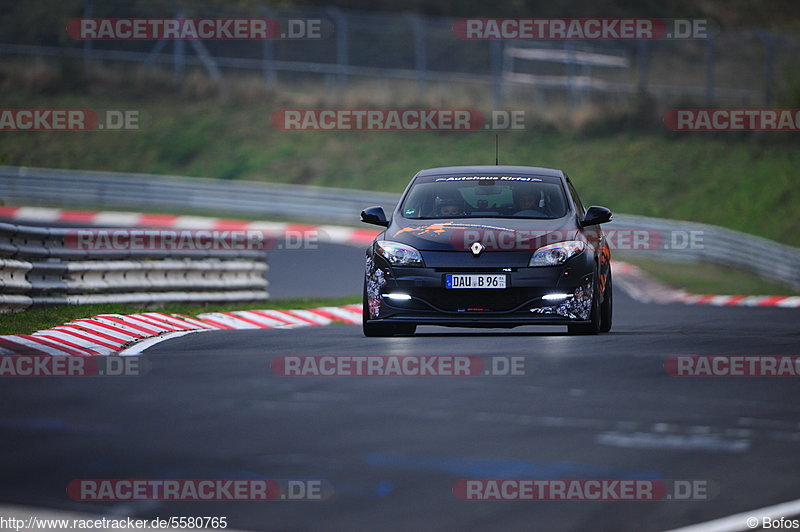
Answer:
(109, 334)
(630, 278)
(642, 287)
(337, 234)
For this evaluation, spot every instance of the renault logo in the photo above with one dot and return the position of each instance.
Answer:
(476, 248)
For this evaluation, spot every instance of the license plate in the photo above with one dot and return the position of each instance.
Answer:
(475, 280)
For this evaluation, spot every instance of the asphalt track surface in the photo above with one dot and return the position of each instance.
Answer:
(330, 270)
(392, 448)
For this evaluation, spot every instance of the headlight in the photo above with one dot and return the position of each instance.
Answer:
(398, 254)
(555, 254)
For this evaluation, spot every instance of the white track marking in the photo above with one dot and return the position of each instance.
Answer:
(139, 347)
(738, 522)
(650, 440)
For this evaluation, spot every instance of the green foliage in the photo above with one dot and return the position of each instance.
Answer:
(629, 164)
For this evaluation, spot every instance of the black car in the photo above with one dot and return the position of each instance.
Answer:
(488, 246)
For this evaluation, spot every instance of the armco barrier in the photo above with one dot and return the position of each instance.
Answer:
(21, 186)
(37, 267)
(763, 257)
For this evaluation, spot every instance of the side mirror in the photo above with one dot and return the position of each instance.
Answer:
(375, 216)
(595, 216)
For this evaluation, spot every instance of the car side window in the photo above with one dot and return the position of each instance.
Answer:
(576, 199)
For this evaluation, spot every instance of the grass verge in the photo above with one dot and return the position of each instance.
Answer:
(705, 278)
(36, 319)
(630, 164)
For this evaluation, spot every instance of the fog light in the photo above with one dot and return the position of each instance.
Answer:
(551, 297)
(404, 297)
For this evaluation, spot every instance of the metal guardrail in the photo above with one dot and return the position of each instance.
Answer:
(39, 267)
(182, 194)
(108, 190)
(719, 245)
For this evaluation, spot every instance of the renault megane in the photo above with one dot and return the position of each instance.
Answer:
(488, 246)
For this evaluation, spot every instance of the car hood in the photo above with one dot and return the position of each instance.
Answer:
(495, 234)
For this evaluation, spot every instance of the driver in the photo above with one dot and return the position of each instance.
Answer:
(528, 204)
(451, 207)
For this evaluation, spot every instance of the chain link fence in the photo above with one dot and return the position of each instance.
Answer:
(740, 67)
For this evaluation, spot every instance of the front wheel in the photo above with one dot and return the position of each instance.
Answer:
(594, 325)
(607, 308)
(381, 330)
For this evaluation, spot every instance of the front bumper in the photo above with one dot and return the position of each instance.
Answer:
(521, 303)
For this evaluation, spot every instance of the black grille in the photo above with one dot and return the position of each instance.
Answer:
(501, 300)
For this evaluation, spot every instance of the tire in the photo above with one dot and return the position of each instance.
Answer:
(593, 327)
(607, 307)
(381, 330)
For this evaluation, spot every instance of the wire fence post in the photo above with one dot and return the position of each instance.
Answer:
(496, 57)
(710, 60)
(88, 44)
(769, 67)
(202, 53)
(644, 64)
(571, 63)
(178, 55)
(178, 61)
(342, 49)
(268, 53)
(420, 48)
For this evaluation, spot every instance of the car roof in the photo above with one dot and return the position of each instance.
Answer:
(491, 170)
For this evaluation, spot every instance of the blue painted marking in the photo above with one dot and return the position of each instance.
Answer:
(384, 488)
(504, 467)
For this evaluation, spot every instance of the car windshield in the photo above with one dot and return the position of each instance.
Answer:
(432, 198)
